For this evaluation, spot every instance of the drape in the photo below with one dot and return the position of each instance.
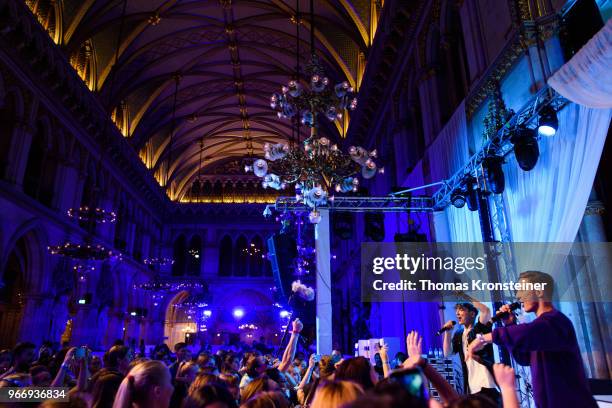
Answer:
(448, 153)
(547, 203)
(586, 78)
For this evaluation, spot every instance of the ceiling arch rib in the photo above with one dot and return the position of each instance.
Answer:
(231, 56)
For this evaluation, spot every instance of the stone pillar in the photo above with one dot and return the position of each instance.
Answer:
(210, 264)
(36, 322)
(324, 306)
(115, 329)
(84, 327)
(66, 186)
(19, 150)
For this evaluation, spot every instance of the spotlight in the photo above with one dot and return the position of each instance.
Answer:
(284, 313)
(494, 175)
(548, 122)
(526, 148)
(238, 313)
(207, 313)
(471, 195)
(458, 198)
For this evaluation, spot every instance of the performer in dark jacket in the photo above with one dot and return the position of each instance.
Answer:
(478, 372)
(548, 345)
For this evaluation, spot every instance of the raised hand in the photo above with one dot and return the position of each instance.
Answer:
(414, 346)
(475, 346)
(384, 352)
(297, 325)
(511, 318)
(504, 375)
(312, 360)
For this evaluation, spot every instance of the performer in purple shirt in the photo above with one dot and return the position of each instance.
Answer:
(548, 345)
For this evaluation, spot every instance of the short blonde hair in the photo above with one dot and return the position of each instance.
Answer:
(136, 385)
(334, 394)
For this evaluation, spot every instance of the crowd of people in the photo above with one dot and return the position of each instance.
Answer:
(248, 378)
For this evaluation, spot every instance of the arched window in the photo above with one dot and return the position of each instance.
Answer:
(453, 46)
(49, 15)
(39, 176)
(194, 256)
(8, 116)
(180, 250)
(121, 117)
(84, 63)
(225, 256)
(137, 249)
(255, 257)
(240, 256)
(121, 226)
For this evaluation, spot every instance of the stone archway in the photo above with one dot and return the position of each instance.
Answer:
(12, 288)
(176, 324)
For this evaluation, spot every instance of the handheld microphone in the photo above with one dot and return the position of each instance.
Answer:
(443, 329)
(502, 315)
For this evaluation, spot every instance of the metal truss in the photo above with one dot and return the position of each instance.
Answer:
(499, 145)
(361, 204)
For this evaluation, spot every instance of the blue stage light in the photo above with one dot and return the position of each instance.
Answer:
(548, 122)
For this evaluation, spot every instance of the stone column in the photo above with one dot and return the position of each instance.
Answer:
(19, 150)
(323, 291)
(36, 322)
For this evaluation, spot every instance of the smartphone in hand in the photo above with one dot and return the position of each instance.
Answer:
(80, 353)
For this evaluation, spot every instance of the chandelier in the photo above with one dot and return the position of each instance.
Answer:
(192, 303)
(252, 250)
(160, 284)
(315, 166)
(93, 214)
(158, 261)
(86, 252)
(249, 327)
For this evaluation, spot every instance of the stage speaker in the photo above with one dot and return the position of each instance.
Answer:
(282, 251)
(580, 21)
(342, 223)
(374, 226)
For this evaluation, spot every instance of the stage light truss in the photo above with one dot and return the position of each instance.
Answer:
(500, 145)
(361, 204)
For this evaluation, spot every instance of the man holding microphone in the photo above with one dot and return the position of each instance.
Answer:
(548, 345)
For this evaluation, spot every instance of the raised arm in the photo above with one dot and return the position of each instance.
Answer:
(289, 353)
(414, 344)
(506, 379)
(306, 379)
(384, 356)
(484, 313)
(58, 381)
(447, 347)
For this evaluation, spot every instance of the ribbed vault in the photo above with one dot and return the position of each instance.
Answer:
(223, 58)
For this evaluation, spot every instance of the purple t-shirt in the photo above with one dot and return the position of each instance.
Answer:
(549, 346)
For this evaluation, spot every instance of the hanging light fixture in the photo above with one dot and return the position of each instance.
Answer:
(90, 213)
(316, 167)
(493, 173)
(548, 122)
(526, 149)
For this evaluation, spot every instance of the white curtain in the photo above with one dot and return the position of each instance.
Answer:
(586, 79)
(448, 153)
(547, 203)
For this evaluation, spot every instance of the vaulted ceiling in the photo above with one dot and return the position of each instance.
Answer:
(214, 63)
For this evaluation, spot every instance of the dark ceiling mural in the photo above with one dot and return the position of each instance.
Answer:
(214, 63)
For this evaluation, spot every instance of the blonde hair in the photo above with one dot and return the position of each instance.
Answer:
(136, 386)
(334, 394)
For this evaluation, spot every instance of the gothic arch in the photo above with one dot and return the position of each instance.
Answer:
(34, 238)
